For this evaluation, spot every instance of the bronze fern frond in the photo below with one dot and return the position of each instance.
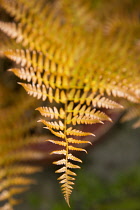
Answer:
(16, 148)
(72, 60)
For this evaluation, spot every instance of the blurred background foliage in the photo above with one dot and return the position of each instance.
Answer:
(110, 178)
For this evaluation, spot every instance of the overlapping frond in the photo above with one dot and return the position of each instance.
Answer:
(77, 63)
(132, 113)
(16, 149)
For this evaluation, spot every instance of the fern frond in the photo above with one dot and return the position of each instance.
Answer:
(13, 173)
(41, 61)
(7, 194)
(40, 91)
(52, 113)
(91, 98)
(103, 102)
(11, 30)
(132, 113)
(75, 132)
(15, 181)
(18, 170)
(86, 112)
(75, 141)
(83, 72)
(55, 125)
(20, 155)
(83, 120)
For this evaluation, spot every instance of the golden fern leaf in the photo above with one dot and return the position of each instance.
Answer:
(82, 72)
(14, 168)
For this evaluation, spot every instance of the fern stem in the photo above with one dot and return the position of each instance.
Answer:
(67, 151)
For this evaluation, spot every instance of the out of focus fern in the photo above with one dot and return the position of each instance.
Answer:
(78, 60)
(16, 147)
(132, 113)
